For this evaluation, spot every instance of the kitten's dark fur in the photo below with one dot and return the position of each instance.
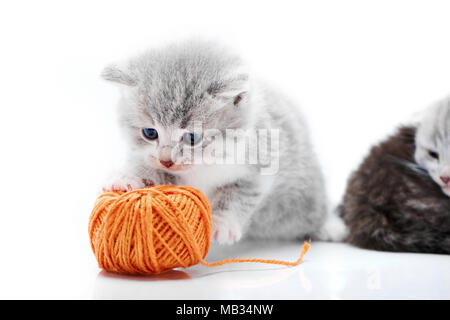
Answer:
(392, 204)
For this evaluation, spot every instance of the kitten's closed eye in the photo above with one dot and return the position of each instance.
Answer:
(191, 138)
(433, 154)
(150, 133)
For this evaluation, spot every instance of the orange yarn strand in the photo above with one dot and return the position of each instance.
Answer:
(153, 230)
(305, 249)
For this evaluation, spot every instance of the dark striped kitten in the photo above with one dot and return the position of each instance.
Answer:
(399, 198)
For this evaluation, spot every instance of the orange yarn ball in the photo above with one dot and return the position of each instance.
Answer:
(150, 231)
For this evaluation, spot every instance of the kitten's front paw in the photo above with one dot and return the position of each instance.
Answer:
(124, 183)
(226, 230)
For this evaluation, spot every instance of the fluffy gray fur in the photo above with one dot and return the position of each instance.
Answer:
(172, 87)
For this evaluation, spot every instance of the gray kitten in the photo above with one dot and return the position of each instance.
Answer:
(180, 101)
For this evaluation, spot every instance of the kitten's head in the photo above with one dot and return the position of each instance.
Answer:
(171, 95)
(433, 144)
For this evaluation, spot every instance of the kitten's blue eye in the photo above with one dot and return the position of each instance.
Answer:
(191, 138)
(150, 133)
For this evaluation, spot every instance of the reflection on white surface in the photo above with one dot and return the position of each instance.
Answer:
(329, 271)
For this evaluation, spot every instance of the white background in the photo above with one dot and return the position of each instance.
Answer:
(357, 68)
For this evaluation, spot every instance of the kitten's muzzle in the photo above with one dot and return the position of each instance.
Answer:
(165, 156)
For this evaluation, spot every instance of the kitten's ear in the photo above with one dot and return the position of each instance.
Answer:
(117, 74)
(234, 90)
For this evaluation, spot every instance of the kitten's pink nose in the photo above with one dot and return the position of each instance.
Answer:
(166, 163)
(445, 179)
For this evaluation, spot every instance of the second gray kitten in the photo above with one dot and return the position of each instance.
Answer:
(168, 92)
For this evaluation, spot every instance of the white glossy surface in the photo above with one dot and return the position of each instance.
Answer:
(329, 271)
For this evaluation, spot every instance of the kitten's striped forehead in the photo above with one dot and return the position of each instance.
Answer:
(177, 83)
(441, 124)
